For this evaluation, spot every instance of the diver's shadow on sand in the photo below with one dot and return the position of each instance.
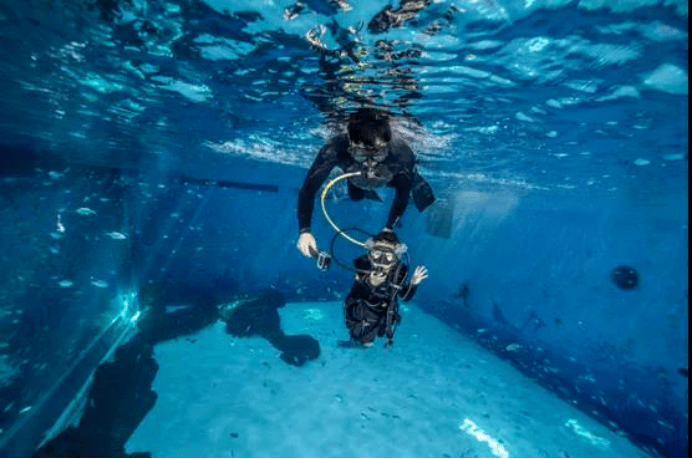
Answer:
(253, 314)
(258, 315)
(121, 394)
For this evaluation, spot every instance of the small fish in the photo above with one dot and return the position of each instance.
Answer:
(514, 347)
(588, 378)
(66, 283)
(85, 211)
(684, 372)
(24, 410)
(99, 284)
(116, 235)
(61, 227)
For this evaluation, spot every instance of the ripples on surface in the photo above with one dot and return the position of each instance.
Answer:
(542, 93)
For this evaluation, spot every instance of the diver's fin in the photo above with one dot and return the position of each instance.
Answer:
(347, 343)
(352, 344)
(439, 222)
(422, 193)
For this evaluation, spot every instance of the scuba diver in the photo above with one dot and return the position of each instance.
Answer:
(372, 309)
(375, 159)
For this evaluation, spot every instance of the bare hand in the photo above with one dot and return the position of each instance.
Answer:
(420, 273)
(378, 277)
(306, 245)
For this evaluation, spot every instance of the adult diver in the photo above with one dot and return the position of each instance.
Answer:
(376, 159)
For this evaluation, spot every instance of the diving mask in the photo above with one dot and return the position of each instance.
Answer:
(362, 154)
(384, 254)
(382, 257)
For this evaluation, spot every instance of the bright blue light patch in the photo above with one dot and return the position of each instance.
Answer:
(129, 307)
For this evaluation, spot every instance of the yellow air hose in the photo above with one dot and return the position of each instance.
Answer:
(323, 195)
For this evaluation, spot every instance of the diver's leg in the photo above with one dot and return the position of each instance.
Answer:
(362, 323)
(422, 192)
(352, 317)
(355, 193)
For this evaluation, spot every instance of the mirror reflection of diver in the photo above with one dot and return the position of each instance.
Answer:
(372, 307)
(373, 159)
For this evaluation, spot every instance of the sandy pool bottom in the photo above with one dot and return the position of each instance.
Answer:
(435, 393)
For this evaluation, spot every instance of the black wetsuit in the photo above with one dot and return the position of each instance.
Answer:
(400, 163)
(366, 307)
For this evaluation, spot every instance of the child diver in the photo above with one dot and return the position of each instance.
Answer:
(372, 309)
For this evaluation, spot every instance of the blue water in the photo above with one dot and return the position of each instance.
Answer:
(556, 132)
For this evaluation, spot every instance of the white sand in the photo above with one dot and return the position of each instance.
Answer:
(408, 401)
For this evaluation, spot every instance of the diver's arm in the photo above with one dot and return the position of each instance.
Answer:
(406, 292)
(402, 184)
(316, 176)
(420, 273)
